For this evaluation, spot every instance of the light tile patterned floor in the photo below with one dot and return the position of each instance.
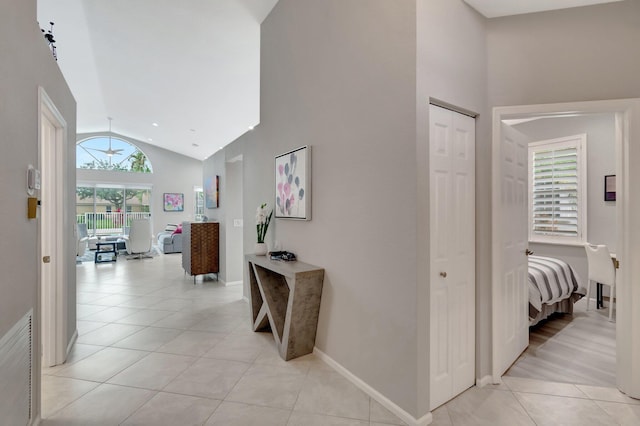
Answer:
(156, 350)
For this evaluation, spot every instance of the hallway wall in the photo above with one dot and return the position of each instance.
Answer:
(27, 63)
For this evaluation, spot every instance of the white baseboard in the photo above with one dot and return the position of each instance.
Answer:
(484, 381)
(36, 421)
(245, 298)
(227, 284)
(383, 400)
(72, 342)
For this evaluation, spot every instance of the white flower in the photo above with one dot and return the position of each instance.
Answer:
(262, 221)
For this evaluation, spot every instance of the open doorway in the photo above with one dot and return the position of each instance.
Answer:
(569, 155)
(510, 237)
(234, 250)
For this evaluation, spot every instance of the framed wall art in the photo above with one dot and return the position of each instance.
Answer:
(610, 188)
(211, 192)
(293, 184)
(173, 202)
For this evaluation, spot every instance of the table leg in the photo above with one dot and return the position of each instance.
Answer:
(599, 303)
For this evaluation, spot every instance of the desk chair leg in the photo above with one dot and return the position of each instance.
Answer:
(588, 293)
(611, 298)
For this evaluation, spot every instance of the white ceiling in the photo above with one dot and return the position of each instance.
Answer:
(191, 66)
(496, 8)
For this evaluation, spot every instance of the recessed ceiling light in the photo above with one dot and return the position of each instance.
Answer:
(194, 144)
(220, 148)
(150, 140)
(193, 130)
(251, 127)
(155, 124)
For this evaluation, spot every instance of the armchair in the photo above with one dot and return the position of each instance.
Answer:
(138, 242)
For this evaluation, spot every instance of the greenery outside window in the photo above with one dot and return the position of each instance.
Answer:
(109, 153)
(558, 190)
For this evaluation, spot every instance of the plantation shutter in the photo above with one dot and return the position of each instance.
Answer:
(556, 190)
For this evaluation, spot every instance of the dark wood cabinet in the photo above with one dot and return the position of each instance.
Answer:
(200, 242)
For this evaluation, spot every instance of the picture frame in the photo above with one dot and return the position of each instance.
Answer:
(610, 188)
(212, 192)
(293, 184)
(173, 202)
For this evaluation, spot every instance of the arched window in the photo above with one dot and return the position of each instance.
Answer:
(109, 153)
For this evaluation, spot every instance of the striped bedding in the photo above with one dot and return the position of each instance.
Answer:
(551, 280)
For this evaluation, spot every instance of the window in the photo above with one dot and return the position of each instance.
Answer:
(109, 153)
(199, 204)
(557, 190)
(108, 209)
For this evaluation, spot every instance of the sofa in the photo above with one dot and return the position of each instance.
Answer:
(170, 240)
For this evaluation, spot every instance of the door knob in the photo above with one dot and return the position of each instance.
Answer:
(528, 252)
(443, 274)
(46, 259)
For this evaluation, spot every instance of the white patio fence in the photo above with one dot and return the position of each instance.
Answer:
(109, 223)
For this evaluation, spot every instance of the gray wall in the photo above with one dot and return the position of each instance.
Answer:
(215, 165)
(353, 80)
(340, 76)
(26, 64)
(451, 64)
(579, 54)
(233, 240)
(171, 173)
(601, 215)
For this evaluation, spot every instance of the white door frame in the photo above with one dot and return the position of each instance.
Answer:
(627, 143)
(51, 231)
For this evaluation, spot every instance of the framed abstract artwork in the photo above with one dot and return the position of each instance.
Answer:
(293, 184)
(211, 191)
(173, 202)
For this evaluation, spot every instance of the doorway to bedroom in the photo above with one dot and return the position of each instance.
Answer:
(569, 155)
(510, 326)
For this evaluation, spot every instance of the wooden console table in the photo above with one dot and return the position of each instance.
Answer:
(285, 296)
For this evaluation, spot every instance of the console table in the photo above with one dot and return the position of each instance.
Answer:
(285, 296)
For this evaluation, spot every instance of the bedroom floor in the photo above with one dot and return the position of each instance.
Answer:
(578, 348)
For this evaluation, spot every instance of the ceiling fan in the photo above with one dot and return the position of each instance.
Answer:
(109, 152)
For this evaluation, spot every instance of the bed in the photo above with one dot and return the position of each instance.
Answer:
(553, 287)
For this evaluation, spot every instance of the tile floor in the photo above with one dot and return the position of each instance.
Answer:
(154, 349)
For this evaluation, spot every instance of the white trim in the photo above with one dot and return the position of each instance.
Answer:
(383, 400)
(627, 112)
(36, 421)
(484, 381)
(72, 342)
(230, 283)
(52, 229)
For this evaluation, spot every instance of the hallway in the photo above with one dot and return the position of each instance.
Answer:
(156, 350)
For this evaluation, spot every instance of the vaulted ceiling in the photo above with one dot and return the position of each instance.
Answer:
(182, 75)
(190, 66)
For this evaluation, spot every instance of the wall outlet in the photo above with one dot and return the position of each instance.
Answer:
(237, 223)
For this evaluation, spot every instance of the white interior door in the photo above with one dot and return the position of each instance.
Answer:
(452, 224)
(510, 241)
(52, 271)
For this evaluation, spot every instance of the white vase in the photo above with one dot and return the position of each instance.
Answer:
(260, 249)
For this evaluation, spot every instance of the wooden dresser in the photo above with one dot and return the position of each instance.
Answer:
(200, 253)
